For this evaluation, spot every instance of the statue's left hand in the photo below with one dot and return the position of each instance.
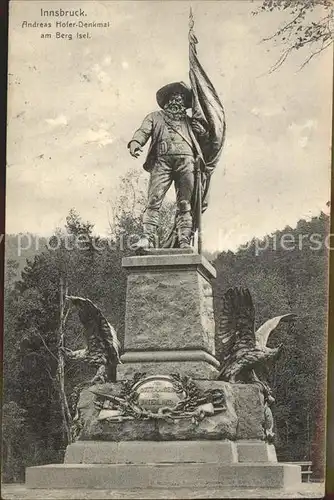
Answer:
(198, 127)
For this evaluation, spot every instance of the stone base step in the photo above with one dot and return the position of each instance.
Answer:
(20, 492)
(181, 475)
(143, 452)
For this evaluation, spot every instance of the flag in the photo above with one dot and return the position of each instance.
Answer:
(208, 110)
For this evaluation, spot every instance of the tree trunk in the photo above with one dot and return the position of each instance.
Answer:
(61, 371)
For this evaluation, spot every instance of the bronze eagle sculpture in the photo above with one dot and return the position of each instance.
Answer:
(242, 348)
(102, 345)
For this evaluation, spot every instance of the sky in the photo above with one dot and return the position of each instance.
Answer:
(73, 105)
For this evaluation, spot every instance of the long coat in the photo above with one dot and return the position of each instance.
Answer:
(152, 127)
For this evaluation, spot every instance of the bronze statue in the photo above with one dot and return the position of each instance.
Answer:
(171, 157)
(184, 149)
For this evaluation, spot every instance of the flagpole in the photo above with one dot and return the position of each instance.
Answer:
(198, 184)
(199, 206)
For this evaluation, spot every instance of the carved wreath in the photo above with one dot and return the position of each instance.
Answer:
(195, 403)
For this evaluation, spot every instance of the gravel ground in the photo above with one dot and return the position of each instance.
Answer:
(20, 492)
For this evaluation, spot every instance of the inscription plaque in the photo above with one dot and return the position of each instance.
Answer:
(157, 392)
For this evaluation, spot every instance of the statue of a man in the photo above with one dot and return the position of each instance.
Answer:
(171, 157)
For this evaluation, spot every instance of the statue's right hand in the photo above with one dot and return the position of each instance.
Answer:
(135, 149)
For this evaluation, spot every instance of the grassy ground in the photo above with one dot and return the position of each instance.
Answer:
(19, 492)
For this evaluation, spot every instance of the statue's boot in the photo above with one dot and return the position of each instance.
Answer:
(148, 240)
(184, 236)
(184, 224)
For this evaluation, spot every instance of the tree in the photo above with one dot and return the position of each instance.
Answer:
(90, 268)
(289, 279)
(127, 211)
(13, 422)
(310, 26)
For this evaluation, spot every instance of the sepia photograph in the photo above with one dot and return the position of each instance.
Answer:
(167, 239)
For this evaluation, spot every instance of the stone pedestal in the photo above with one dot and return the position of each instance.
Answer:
(169, 334)
(241, 420)
(169, 322)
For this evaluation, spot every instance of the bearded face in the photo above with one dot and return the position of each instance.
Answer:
(175, 104)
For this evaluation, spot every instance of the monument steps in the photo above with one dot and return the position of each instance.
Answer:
(163, 475)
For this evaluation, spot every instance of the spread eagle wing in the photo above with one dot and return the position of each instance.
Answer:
(263, 333)
(236, 328)
(100, 336)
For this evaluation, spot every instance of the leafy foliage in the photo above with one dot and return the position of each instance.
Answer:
(283, 281)
(13, 422)
(92, 269)
(128, 207)
(310, 26)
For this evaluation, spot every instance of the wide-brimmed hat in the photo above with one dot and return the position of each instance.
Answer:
(165, 92)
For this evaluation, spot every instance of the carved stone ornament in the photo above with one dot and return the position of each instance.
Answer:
(160, 397)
